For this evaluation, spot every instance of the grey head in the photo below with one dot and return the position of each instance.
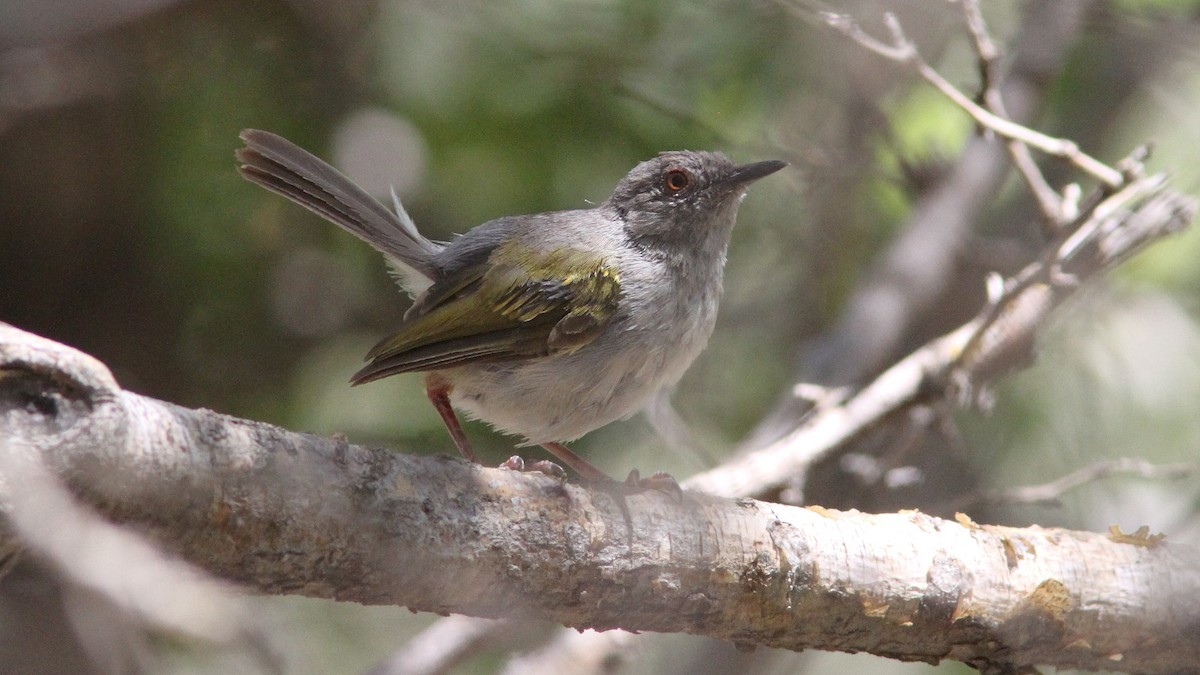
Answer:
(684, 199)
(681, 206)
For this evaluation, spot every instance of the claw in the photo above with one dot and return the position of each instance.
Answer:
(549, 468)
(517, 463)
(660, 480)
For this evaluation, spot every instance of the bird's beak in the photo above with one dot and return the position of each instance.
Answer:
(748, 173)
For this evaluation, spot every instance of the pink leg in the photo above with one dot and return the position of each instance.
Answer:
(580, 465)
(663, 482)
(438, 392)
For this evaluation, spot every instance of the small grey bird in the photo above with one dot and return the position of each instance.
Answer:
(550, 325)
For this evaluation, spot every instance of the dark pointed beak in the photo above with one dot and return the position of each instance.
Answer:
(748, 173)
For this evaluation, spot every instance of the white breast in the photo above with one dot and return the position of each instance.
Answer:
(563, 397)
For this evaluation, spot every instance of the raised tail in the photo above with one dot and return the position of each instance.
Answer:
(285, 168)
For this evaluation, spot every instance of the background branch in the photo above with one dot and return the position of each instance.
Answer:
(902, 50)
(913, 274)
(1049, 201)
(974, 353)
(1053, 491)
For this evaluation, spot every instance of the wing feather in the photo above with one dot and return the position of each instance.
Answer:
(501, 311)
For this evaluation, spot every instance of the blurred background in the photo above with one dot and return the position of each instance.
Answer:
(125, 231)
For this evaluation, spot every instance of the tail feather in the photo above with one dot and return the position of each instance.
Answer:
(286, 169)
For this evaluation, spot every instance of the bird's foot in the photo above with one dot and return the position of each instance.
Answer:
(660, 480)
(517, 463)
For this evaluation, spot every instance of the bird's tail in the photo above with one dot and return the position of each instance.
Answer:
(283, 167)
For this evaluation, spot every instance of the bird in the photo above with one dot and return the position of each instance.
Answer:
(550, 325)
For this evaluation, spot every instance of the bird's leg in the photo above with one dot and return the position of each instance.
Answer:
(661, 481)
(438, 391)
(580, 465)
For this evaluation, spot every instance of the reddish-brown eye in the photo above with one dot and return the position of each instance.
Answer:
(677, 180)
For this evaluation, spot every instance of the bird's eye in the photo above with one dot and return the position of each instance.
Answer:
(677, 180)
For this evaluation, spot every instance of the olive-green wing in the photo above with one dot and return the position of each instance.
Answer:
(525, 307)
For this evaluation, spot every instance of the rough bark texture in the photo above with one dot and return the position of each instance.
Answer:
(284, 512)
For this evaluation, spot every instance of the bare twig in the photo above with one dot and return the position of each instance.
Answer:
(918, 266)
(1052, 492)
(903, 51)
(1049, 269)
(1123, 223)
(1047, 198)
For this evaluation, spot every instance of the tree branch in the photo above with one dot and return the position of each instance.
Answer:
(912, 274)
(1051, 492)
(903, 51)
(285, 512)
(976, 352)
(1049, 201)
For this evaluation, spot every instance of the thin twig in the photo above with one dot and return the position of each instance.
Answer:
(903, 51)
(1052, 491)
(1049, 269)
(967, 354)
(1048, 199)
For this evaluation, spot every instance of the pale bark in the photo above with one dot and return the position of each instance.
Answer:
(284, 512)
